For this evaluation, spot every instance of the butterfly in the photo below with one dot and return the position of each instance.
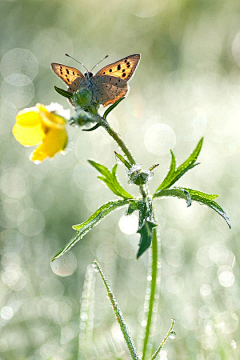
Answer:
(107, 86)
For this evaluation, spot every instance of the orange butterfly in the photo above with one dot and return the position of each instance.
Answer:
(107, 86)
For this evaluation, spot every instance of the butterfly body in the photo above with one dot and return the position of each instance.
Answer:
(107, 86)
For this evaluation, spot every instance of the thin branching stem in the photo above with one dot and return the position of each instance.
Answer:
(163, 342)
(125, 149)
(118, 314)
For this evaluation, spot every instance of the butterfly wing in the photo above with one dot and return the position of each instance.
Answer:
(123, 68)
(110, 89)
(111, 80)
(70, 75)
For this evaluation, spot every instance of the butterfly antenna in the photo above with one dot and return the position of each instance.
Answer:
(77, 61)
(99, 62)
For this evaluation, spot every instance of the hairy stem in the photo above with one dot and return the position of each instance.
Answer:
(119, 141)
(153, 287)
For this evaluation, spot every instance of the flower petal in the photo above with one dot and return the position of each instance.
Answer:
(55, 141)
(28, 129)
(51, 119)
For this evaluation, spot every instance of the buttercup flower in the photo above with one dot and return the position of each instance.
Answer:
(44, 126)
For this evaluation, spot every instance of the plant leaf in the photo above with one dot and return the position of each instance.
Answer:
(195, 195)
(112, 107)
(145, 225)
(174, 174)
(207, 199)
(110, 179)
(86, 226)
(124, 161)
(181, 193)
(134, 205)
(146, 232)
(92, 128)
(63, 92)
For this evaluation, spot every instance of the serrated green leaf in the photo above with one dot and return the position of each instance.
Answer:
(207, 199)
(63, 92)
(110, 179)
(199, 196)
(181, 193)
(86, 226)
(175, 174)
(202, 194)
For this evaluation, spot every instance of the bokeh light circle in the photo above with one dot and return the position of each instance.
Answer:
(159, 138)
(18, 61)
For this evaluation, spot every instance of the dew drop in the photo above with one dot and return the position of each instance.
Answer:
(172, 335)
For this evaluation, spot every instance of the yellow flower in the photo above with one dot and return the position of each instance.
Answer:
(41, 126)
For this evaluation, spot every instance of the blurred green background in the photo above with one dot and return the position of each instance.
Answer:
(187, 86)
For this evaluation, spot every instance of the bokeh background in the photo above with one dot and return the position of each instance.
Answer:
(186, 86)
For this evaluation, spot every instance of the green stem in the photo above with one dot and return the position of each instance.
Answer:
(119, 141)
(154, 266)
(143, 189)
(153, 286)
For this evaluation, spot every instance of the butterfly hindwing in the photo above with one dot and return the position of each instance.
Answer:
(123, 68)
(110, 89)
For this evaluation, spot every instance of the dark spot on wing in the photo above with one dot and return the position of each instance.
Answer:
(67, 71)
(124, 74)
(110, 70)
(119, 67)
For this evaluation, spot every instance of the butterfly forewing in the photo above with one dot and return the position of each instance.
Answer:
(67, 73)
(123, 68)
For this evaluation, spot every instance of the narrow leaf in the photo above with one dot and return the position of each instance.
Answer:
(176, 192)
(112, 107)
(110, 179)
(86, 226)
(124, 161)
(199, 196)
(207, 199)
(165, 183)
(118, 314)
(175, 174)
(92, 128)
(63, 92)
